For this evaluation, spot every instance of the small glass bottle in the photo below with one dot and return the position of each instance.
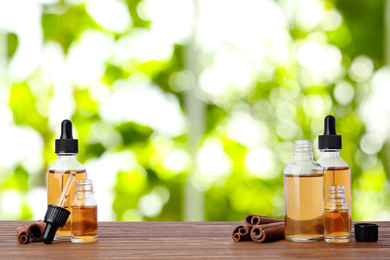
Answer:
(303, 196)
(84, 214)
(337, 220)
(66, 149)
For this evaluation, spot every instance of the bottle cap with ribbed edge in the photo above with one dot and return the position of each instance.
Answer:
(330, 139)
(66, 143)
(55, 218)
(366, 232)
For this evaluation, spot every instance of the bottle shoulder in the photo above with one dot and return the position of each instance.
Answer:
(67, 164)
(82, 200)
(303, 167)
(332, 161)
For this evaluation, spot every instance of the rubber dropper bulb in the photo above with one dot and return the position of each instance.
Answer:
(49, 233)
(66, 129)
(330, 125)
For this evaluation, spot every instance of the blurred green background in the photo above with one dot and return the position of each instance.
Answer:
(188, 110)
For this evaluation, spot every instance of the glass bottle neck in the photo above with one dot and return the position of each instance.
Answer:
(330, 152)
(336, 197)
(303, 156)
(336, 203)
(84, 187)
(66, 156)
(85, 193)
(302, 150)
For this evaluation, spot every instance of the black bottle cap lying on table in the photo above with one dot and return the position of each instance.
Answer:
(55, 218)
(366, 232)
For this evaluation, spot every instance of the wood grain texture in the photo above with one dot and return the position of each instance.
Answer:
(184, 240)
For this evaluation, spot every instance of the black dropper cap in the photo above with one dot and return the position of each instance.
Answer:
(55, 218)
(66, 143)
(329, 140)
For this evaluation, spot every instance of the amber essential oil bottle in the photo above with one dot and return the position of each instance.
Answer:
(337, 220)
(66, 149)
(336, 170)
(84, 214)
(303, 196)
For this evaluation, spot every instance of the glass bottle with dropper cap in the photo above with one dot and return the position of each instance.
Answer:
(66, 148)
(336, 170)
(303, 196)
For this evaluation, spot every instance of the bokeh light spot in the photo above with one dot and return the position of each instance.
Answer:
(361, 69)
(371, 143)
(214, 164)
(344, 92)
(151, 205)
(260, 162)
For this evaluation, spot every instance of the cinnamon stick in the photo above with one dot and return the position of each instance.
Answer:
(22, 234)
(267, 232)
(253, 220)
(241, 233)
(35, 230)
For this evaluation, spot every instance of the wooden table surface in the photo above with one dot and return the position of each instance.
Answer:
(183, 240)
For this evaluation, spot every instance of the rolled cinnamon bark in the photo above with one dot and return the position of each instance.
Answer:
(267, 232)
(241, 233)
(253, 220)
(22, 234)
(35, 230)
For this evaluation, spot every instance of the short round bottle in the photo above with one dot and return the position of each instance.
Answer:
(303, 196)
(84, 214)
(337, 221)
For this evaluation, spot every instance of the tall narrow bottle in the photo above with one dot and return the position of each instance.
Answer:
(66, 149)
(303, 196)
(336, 170)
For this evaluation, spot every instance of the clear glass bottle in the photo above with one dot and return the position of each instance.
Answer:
(337, 220)
(336, 170)
(84, 214)
(66, 149)
(303, 196)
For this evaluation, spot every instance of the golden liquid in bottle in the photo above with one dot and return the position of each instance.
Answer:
(337, 226)
(339, 176)
(56, 181)
(304, 207)
(84, 224)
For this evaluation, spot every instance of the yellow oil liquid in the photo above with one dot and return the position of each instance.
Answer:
(84, 224)
(56, 181)
(304, 207)
(340, 176)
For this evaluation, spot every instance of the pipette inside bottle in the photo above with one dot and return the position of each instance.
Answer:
(66, 191)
